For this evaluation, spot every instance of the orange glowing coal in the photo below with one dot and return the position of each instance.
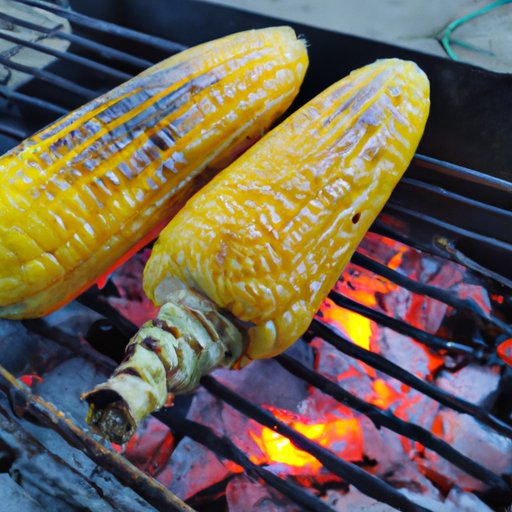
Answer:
(397, 259)
(357, 328)
(30, 379)
(342, 435)
(384, 395)
(505, 351)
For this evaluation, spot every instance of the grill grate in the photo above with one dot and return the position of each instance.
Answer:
(116, 65)
(385, 366)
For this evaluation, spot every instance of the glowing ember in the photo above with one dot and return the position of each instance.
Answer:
(396, 260)
(342, 435)
(505, 351)
(132, 302)
(437, 426)
(384, 395)
(233, 467)
(150, 448)
(30, 379)
(475, 293)
(357, 328)
(498, 298)
(116, 447)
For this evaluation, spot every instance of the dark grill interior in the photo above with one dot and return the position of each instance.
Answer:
(456, 211)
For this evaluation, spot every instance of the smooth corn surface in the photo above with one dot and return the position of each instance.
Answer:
(269, 236)
(78, 195)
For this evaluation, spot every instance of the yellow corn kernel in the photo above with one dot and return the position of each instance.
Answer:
(269, 236)
(100, 181)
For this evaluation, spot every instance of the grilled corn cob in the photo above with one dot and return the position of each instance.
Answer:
(242, 268)
(78, 195)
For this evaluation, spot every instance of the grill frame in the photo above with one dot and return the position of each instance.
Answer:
(434, 229)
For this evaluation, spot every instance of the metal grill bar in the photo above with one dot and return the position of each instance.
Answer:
(317, 328)
(383, 365)
(365, 482)
(199, 433)
(107, 27)
(439, 294)
(67, 55)
(387, 419)
(228, 450)
(10, 130)
(379, 489)
(26, 404)
(429, 340)
(101, 49)
(455, 208)
(107, 51)
(51, 78)
(458, 171)
(30, 100)
(92, 300)
(441, 246)
(35, 464)
(70, 342)
(416, 186)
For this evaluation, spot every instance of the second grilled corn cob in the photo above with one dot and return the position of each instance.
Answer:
(242, 268)
(78, 195)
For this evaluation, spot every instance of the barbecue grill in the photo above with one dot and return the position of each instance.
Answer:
(454, 204)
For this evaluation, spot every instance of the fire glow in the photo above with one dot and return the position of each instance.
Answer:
(338, 429)
(317, 416)
(357, 328)
(384, 395)
(343, 433)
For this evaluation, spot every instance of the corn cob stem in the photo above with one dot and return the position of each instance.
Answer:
(189, 338)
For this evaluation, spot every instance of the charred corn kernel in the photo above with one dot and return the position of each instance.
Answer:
(267, 238)
(80, 194)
